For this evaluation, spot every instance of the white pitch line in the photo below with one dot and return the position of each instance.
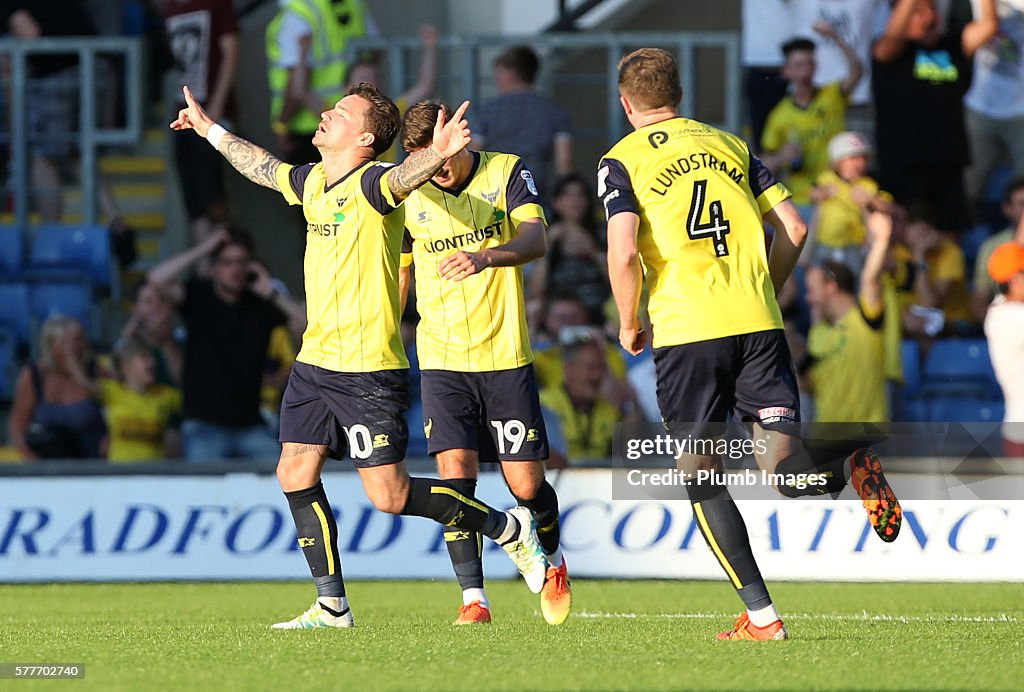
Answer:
(863, 617)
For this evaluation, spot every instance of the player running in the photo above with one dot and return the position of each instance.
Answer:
(688, 200)
(468, 233)
(348, 389)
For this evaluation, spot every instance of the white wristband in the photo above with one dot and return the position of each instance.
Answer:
(215, 134)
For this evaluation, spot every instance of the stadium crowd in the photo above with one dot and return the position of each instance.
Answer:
(898, 126)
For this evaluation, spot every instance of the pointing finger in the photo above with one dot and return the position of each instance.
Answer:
(461, 111)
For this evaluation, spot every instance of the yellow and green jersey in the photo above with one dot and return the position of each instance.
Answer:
(812, 128)
(477, 324)
(353, 241)
(138, 421)
(700, 196)
(846, 370)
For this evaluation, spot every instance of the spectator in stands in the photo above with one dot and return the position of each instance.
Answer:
(575, 259)
(152, 322)
(306, 67)
(523, 121)
(203, 36)
(565, 320)
(937, 277)
(995, 101)
(141, 413)
(984, 289)
(856, 21)
(921, 73)
(587, 419)
(799, 128)
(228, 320)
(56, 413)
(844, 195)
(765, 25)
(51, 93)
(1004, 328)
(367, 69)
(844, 366)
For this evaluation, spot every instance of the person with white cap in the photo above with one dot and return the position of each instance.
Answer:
(845, 195)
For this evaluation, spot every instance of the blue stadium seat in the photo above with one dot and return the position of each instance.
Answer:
(960, 364)
(910, 355)
(62, 249)
(15, 316)
(12, 252)
(73, 298)
(956, 409)
(8, 364)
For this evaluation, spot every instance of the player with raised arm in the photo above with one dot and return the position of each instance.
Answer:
(468, 232)
(348, 389)
(687, 201)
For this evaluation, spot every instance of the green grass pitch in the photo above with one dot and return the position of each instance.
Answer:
(622, 635)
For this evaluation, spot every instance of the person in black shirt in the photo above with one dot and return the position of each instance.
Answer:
(920, 76)
(228, 319)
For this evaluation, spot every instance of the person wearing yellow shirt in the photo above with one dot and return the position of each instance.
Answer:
(845, 363)
(686, 206)
(587, 419)
(349, 388)
(940, 303)
(141, 413)
(844, 195)
(468, 233)
(798, 130)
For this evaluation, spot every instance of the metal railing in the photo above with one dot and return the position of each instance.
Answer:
(465, 58)
(89, 135)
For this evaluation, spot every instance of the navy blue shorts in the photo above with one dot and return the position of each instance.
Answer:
(749, 375)
(496, 413)
(362, 413)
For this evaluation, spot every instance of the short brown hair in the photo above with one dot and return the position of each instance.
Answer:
(649, 78)
(522, 60)
(382, 119)
(418, 124)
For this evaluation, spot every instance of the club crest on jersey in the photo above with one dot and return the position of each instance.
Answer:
(530, 185)
(491, 197)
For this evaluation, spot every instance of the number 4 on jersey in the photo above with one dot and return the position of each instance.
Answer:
(718, 227)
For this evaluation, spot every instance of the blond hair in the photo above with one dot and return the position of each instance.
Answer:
(50, 333)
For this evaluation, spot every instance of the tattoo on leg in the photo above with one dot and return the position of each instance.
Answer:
(295, 449)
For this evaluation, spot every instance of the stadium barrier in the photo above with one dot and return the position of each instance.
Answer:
(237, 527)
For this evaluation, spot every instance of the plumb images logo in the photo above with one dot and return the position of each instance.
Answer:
(924, 461)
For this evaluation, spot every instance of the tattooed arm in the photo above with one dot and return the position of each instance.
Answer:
(255, 163)
(449, 139)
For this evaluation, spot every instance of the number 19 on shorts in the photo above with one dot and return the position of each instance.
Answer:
(511, 434)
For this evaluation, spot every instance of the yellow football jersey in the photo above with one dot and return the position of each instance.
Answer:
(700, 196)
(138, 420)
(840, 219)
(848, 369)
(353, 240)
(811, 128)
(477, 324)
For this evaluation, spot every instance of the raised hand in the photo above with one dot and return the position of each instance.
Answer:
(192, 116)
(452, 136)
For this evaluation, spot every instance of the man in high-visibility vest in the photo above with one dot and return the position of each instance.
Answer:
(306, 67)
